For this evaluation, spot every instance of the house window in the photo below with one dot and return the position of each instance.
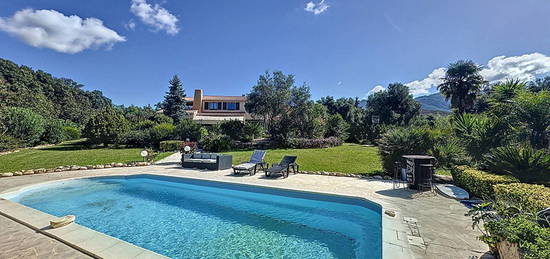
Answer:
(232, 106)
(212, 106)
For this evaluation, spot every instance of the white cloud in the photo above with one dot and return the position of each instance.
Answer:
(376, 89)
(131, 25)
(53, 30)
(525, 67)
(155, 16)
(318, 8)
(423, 86)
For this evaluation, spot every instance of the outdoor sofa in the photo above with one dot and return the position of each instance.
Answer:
(208, 161)
(256, 161)
(283, 167)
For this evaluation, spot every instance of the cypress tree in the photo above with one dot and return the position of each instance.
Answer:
(174, 104)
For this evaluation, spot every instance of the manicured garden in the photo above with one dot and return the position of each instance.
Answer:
(69, 153)
(348, 158)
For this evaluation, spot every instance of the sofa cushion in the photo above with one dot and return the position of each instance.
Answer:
(202, 160)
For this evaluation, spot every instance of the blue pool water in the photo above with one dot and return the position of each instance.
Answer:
(184, 218)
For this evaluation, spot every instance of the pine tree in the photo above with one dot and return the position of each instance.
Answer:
(174, 104)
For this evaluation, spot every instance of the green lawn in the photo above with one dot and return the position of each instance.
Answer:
(69, 153)
(348, 158)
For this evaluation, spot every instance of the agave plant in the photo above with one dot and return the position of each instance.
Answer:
(523, 162)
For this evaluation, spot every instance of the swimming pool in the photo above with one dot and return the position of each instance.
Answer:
(187, 218)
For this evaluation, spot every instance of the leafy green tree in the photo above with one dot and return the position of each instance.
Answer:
(337, 127)
(351, 112)
(174, 104)
(232, 128)
(188, 129)
(54, 131)
(105, 127)
(22, 124)
(271, 97)
(393, 106)
(539, 84)
(161, 132)
(309, 119)
(533, 111)
(461, 84)
(51, 97)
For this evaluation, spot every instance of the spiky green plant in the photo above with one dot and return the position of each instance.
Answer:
(523, 162)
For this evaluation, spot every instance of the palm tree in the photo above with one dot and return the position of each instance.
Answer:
(461, 84)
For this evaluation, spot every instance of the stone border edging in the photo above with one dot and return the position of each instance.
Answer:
(362, 176)
(72, 168)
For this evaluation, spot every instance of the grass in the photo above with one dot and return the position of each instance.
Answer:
(348, 158)
(441, 171)
(69, 153)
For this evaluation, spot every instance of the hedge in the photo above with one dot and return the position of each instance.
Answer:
(170, 145)
(479, 183)
(312, 143)
(526, 197)
(533, 239)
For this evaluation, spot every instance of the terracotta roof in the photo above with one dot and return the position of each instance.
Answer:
(223, 98)
(218, 98)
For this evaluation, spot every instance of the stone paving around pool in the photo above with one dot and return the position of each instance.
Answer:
(425, 225)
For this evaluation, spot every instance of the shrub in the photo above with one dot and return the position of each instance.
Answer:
(136, 138)
(337, 127)
(170, 145)
(401, 141)
(161, 118)
(232, 128)
(313, 143)
(145, 124)
(532, 239)
(448, 152)
(216, 143)
(71, 132)
(188, 129)
(479, 133)
(8, 143)
(524, 163)
(163, 131)
(252, 130)
(53, 132)
(479, 183)
(526, 197)
(105, 127)
(23, 124)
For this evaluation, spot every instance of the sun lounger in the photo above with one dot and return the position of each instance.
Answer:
(256, 160)
(283, 167)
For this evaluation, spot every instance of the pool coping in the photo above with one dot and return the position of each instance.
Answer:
(100, 245)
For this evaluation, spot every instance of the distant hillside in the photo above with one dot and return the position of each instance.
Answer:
(51, 97)
(434, 102)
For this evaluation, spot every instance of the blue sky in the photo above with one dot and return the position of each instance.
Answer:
(337, 47)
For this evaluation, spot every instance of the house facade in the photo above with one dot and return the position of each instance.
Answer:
(212, 109)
